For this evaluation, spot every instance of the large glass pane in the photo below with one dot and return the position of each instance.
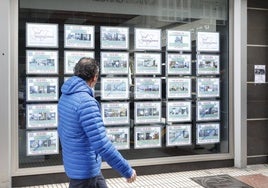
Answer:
(171, 58)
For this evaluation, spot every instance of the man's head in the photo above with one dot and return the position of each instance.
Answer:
(87, 69)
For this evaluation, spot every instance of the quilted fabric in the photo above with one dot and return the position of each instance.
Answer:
(82, 133)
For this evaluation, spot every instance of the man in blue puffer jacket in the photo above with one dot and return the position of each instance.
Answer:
(82, 132)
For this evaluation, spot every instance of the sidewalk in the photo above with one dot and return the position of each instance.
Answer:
(253, 176)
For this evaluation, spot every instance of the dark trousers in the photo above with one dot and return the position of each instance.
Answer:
(96, 182)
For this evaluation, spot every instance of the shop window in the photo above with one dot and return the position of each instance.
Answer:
(163, 84)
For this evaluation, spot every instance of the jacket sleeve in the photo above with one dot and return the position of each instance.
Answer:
(92, 123)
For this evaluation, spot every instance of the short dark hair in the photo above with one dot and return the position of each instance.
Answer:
(86, 68)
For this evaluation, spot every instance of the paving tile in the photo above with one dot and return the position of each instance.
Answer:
(223, 181)
(256, 180)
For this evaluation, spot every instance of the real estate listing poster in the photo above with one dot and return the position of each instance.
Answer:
(207, 133)
(72, 57)
(148, 63)
(114, 88)
(179, 135)
(41, 62)
(119, 136)
(178, 40)
(147, 112)
(179, 64)
(114, 63)
(208, 64)
(115, 113)
(114, 38)
(147, 88)
(42, 115)
(207, 110)
(42, 142)
(147, 39)
(147, 137)
(79, 36)
(208, 41)
(208, 87)
(179, 111)
(41, 35)
(42, 89)
(179, 88)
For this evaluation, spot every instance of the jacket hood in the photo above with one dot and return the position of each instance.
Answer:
(75, 84)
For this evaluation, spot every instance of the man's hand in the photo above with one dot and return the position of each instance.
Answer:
(133, 177)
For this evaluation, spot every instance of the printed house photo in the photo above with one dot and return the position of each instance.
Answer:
(208, 64)
(42, 142)
(208, 110)
(179, 111)
(179, 87)
(146, 63)
(114, 88)
(114, 37)
(178, 135)
(42, 89)
(42, 116)
(115, 113)
(119, 136)
(147, 112)
(79, 36)
(208, 133)
(178, 40)
(114, 63)
(178, 64)
(208, 87)
(147, 88)
(42, 62)
(147, 137)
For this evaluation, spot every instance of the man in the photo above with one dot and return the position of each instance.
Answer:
(82, 132)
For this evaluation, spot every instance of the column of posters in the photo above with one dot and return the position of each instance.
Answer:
(208, 87)
(42, 89)
(115, 87)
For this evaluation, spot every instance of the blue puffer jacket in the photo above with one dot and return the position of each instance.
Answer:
(82, 133)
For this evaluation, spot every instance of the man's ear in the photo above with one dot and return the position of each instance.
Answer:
(95, 78)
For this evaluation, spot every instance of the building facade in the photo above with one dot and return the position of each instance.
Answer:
(177, 82)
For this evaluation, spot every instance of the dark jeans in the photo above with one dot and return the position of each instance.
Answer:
(96, 182)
